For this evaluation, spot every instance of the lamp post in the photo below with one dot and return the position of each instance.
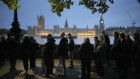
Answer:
(15, 30)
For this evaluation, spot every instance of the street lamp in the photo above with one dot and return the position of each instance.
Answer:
(15, 30)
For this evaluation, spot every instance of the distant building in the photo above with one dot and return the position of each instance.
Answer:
(40, 30)
(122, 29)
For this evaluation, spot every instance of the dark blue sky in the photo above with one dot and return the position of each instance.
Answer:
(77, 15)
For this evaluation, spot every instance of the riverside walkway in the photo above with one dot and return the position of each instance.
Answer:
(72, 73)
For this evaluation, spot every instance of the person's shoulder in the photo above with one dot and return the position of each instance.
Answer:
(16, 42)
(101, 44)
(91, 44)
(83, 44)
(124, 42)
(106, 36)
(118, 40)
(71, 38)
(23, 44)
(98, 41)
(65, 38)
(88, 44)
(46, 43)
(53, 40)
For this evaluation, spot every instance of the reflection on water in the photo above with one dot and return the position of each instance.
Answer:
(79, 40)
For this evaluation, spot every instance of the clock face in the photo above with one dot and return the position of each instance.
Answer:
(102, 21)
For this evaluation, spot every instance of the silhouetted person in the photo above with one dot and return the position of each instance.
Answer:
(33, 52)
(86, 52)
(123, 57)
(71, 46)
(96, 43)
(12, 50)
(3, 44)
(63, 50)
(115, 49)
(136, 52)
(0, 54)
(129, 49)
(100, 57)
(107, 43)
(26, 48)
(48, 54)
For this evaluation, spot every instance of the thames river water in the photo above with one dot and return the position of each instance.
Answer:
(79, 40)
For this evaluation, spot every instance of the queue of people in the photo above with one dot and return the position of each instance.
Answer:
(3, 44)
(27, 49)
(10, 48)
(125, 52)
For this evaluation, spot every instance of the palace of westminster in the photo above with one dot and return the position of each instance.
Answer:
(40, 31)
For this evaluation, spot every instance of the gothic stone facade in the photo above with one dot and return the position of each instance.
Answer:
(39, 30)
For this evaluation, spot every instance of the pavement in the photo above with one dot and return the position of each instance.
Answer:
(72, 73)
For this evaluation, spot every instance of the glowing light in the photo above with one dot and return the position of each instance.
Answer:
(81, 33)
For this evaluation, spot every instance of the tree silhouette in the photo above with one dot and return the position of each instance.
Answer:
(12, 4)
(94, 5)
(58, 6)
(100, 6)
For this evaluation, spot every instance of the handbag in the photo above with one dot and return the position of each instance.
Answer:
(60, 68)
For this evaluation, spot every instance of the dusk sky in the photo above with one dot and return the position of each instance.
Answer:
(77, 15)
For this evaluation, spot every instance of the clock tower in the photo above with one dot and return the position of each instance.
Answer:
(101, 23)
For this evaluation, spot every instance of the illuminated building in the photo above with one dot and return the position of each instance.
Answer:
(39, 30)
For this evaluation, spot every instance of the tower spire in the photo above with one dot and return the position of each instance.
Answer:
(101, 16)
(66, 23)
(87, 26)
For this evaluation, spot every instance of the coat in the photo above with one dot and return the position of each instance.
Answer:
(12, 47)
(86, 51)
(71, 44)
(3, 48)
(96, 44)
(136, 48)
(115, 47)
(101, 53)
(123, 54)
(35, 45)
(106, 40)
(63, 47)
(48, 49)
(129, 46)
(122, 48)
(26, 48)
